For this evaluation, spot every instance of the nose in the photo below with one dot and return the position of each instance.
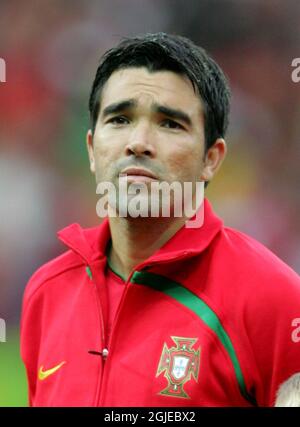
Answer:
(141, 142)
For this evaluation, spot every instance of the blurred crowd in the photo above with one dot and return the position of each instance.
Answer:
(52, 48)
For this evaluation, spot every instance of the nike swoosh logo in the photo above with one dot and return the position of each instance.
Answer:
(45, 374)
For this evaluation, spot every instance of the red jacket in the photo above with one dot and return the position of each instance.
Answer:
(207, 320)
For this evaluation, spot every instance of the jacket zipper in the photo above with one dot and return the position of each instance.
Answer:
(107, 349)
(103, 349)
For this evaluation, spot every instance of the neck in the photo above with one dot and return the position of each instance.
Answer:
(136, 239)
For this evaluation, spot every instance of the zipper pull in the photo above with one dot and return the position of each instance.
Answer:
(103, 353)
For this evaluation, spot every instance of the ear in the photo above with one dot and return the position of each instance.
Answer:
(213, 159)
(90, 149)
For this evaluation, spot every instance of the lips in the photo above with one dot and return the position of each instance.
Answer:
(138, 172)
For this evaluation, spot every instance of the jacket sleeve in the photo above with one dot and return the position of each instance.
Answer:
(274, 329)
(31, 325)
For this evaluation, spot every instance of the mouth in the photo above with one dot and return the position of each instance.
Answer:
(138, 174)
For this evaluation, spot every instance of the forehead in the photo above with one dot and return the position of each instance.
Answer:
(164, 87)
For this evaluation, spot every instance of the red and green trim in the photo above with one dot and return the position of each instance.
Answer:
(201, 309)
(89, 273)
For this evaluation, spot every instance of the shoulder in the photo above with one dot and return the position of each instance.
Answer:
(264, 290)
(254, 272)
(53, 269)
(253, 255)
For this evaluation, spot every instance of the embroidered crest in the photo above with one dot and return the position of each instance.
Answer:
(179, 364)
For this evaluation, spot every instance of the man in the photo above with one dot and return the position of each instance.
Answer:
(148, 310)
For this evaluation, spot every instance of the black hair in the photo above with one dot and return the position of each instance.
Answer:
(166, 52)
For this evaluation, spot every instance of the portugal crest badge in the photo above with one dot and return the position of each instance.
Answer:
(179, 364)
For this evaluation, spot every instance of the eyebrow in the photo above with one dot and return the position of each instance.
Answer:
(118, 107)
(128, 104)
(173, 113)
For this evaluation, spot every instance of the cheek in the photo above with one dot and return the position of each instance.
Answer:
(104, 160)
(107, 150)
(186, 163)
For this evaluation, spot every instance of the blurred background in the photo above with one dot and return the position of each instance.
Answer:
(51, 49)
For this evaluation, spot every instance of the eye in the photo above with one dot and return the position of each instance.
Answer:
(170, 124)
(118, 120)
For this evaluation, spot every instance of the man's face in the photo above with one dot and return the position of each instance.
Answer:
(153, 121)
